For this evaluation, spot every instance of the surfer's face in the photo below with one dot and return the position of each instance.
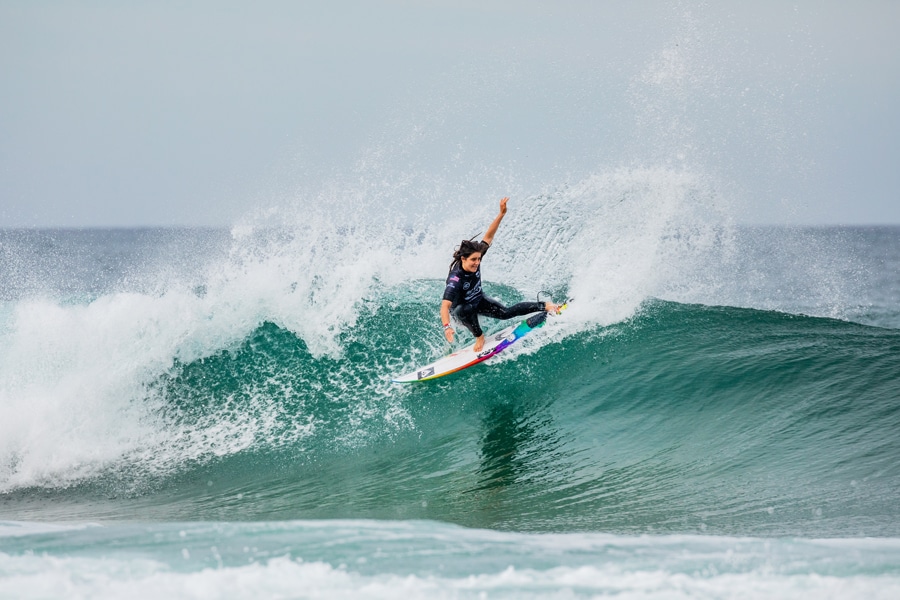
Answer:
(471, 262)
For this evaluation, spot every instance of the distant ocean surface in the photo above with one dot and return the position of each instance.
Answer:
(209, 413)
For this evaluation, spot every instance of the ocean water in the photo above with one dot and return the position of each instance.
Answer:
(209, 413)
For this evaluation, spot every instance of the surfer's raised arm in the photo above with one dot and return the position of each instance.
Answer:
(492, 229)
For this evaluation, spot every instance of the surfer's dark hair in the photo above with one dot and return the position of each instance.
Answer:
(467, 248)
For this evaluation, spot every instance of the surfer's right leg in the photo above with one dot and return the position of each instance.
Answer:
(467, 315)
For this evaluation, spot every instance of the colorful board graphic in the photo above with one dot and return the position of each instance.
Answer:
(465, 358)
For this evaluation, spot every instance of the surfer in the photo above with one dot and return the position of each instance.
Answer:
(463, 297)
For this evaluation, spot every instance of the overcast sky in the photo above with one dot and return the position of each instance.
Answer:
(195, 113)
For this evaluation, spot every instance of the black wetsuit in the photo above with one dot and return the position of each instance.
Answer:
(468, 301)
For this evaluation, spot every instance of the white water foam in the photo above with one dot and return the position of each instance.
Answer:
(45, 577)
(424, 560)
(76, 393)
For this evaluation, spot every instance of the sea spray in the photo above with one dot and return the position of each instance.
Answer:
(94, 370)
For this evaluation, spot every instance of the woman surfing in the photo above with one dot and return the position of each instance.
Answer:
(463, 297)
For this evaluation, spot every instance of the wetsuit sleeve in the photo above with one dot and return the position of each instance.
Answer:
(451, 292)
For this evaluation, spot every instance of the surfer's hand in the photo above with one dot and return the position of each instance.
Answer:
(448, 333)
(503, 202)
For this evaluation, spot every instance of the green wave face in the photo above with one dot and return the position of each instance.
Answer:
(684, 418)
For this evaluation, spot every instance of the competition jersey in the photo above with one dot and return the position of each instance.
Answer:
(463, 287)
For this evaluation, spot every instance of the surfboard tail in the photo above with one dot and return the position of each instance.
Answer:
(538, 319)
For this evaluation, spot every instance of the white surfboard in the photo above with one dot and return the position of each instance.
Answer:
(494, 344)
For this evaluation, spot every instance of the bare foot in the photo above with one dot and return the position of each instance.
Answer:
(479, 344)
(551, 308)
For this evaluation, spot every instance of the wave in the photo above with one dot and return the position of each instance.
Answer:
(246, 374)
(681, 418)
